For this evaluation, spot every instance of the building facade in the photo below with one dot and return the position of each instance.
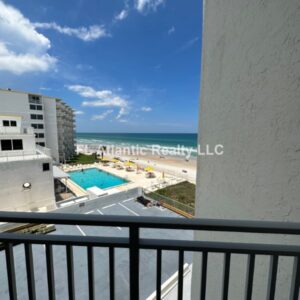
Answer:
(52, 120)
(65, 130)
(250, 104)
(26, 177)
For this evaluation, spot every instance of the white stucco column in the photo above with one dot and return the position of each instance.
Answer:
(250, 103)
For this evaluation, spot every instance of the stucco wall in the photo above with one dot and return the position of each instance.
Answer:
(250, 103)
(28, 141)
(51, 126)
(14, 174)
(14, 103)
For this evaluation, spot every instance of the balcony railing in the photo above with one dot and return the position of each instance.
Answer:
(16, 130)
(134, 243)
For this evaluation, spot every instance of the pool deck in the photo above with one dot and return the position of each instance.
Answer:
(135, 179)
(127, 207)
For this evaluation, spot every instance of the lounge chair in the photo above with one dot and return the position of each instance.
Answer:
(150, 175)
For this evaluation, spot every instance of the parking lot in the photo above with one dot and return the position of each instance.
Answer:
(128, 207)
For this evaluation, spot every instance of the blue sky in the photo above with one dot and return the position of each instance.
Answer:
(124, 66)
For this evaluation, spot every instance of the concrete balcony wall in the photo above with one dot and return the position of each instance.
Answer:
(250, 104)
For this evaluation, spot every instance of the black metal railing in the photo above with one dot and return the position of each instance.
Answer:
(134, 243)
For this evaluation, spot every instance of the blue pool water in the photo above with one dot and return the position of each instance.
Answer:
(95, 177)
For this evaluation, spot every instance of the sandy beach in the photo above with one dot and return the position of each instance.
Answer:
(177, 166)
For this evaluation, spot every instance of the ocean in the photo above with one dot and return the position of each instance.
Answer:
(145, 140)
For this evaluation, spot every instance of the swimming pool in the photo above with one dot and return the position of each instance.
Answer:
(96, 177)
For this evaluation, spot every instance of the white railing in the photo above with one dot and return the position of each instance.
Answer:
(15, 130)
(43, 150)
(6, 156)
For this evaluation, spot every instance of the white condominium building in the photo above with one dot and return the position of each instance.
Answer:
(65, 130)
(52, 120)
(26, 177)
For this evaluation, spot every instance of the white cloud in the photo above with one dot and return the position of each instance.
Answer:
(86, 34)
(102, 116)
(22, 48)
(122, 15)
(146, 108)
(105, 98)
(147, 5)
(78, 112)
(190, 43)
(83, 67)
(171, 30)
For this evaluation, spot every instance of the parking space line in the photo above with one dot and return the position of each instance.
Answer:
(89, 212)
(101, 213)
(127, 200)
(133, 212)
(81, 231)
(108, 206)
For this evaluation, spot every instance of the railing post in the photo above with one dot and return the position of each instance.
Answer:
(295, 287)
(11, 273)
(226, 274)
(249, 278)
(30, 272)
(134, 262)
(272, 277)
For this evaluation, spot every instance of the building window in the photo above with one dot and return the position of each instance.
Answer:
(7, 123)
(37, 126)
(36, 107)
(34, 99)
(39, 135)
(17, 144)
(6, 145)
(46, 167)
(36, 117)
(41, 144)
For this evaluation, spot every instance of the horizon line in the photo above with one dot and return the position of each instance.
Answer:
(138, 132)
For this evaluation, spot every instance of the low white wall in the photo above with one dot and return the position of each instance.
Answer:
(79, 208)
(14, 174)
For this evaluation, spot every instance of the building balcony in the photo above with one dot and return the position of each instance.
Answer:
(87, 262)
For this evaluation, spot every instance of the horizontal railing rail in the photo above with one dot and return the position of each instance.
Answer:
(154, 222)
(134, 243)
(154, 244)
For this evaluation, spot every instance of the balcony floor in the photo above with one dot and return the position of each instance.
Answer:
(147, 258)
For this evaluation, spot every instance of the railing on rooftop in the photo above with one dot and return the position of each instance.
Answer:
(16, 130)
(134, 243)
(43, 150)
